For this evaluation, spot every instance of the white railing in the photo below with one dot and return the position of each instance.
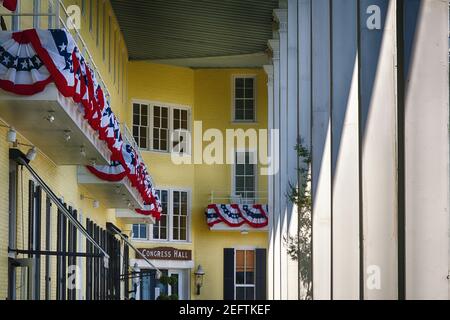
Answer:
(242, 197)
(129, 139)
(58, 17)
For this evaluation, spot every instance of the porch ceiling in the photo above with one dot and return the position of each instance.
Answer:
(186, 29)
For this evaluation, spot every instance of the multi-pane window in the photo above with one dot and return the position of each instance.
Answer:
(91, 10)
(245, 275)
(109, 43)
(179, 217)
(245, 175)
(174, 222)
(160, 231)
(180, 126)
(140, 124)
(97, 25)
(160, 128)
(104, 32)
(140, 231)
(244, 99)
(165, 128)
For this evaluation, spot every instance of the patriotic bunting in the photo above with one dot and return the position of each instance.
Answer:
(31, 59)
(235, 215)
(11, 5)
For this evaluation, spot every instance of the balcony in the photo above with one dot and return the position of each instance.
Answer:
(244, 212)
(54, 125)
(120, 194)
(49, 120)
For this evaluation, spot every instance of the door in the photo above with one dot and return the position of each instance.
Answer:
(178, 287)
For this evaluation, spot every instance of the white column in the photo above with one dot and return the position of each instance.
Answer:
(270, 255)
(427, 152)
(292, 139)
(321, 150)
(345, 151)
(304, 85)
(281, 17)
(274, 45)
(378, 146)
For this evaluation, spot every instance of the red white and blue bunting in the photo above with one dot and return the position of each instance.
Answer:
(11, 5)
(235, 215)
(31, 59)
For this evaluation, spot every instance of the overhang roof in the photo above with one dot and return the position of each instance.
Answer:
(187, 29)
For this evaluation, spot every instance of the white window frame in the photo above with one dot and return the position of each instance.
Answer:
(235, 271)
(168, 217)
(146, 232)
(170, 239)
(233, 172)
(233, 97)
(171, 108)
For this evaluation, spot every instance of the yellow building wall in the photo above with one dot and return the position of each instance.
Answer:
(63, 179)
(208, 92)
(213, 106)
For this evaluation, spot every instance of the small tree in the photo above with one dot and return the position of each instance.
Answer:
(299, 246)
(171, 281)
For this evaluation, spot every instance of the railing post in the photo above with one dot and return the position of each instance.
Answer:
(57, 4)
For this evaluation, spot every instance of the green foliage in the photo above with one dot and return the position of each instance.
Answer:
(171, 281)
(299, 246)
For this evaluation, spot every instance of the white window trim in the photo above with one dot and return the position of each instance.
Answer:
(233, 98)
(170, 106)
(233, 170)
(170, 239)
(244, 285)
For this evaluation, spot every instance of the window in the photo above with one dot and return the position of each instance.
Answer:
(245, 275)
(179, 215)
(115, 54)
(139, 231)
(104, 32)
(245, 175)
(97, 25)
(160, 231)
(109, 43)
(174, 222)
(165, 122)
(91, 9)
(160, 128)
(244, 99)
(140, 124)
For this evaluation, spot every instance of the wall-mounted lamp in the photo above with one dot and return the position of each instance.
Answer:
(199, 273)
(31, 154)
(11, 136)
(83, 151)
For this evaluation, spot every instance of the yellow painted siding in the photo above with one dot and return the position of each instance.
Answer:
(208, 92)
(63, 179)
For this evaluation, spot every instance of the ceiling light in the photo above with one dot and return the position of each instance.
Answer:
(83, 152)
(244, 231)
(50, 117)
(67, 135)
(31, 154)
(92, 161)
(11, 135)
(96, 204)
